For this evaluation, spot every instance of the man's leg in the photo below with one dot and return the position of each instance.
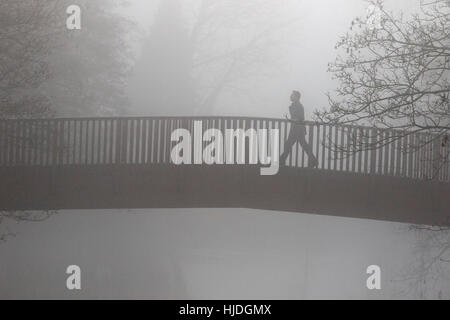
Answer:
(312, 160)
(292, 139)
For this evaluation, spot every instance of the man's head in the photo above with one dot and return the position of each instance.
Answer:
(295, 96)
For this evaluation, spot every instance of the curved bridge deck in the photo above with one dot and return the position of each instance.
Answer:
(126, 163)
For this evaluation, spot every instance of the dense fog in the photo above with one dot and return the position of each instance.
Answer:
(221, 58)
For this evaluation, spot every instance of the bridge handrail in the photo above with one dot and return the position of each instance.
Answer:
(200, 117)
(71, 140)
(307, 122)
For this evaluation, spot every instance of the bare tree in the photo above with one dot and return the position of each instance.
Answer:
(199, 50)
(8, 217)
(393, 73)
(90, 67)
(47, 70)
(26, 32)
(425, 275)
(234, 42)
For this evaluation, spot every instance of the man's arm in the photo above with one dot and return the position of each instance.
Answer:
(291, 114)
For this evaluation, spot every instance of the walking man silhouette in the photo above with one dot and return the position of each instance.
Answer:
(298, 131)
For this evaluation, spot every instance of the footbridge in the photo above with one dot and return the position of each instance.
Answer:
(133, 162)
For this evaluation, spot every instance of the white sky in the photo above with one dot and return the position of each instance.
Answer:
(219, 253)
(322, 23)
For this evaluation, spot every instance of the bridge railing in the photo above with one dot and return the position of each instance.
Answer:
(147, 140)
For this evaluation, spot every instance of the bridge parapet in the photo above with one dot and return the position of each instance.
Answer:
(147, 140)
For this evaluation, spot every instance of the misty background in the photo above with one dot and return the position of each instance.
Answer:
(193, 57)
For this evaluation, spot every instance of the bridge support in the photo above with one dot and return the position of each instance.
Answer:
(234, 186)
